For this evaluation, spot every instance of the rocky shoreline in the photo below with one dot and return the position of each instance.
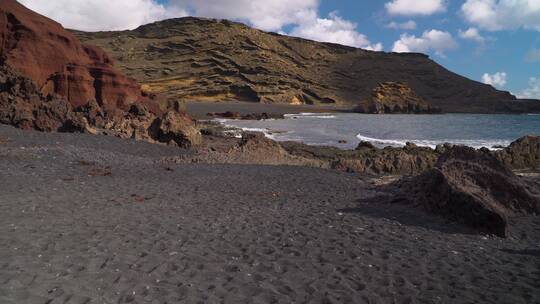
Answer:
(24, 106)
(92, 218)
(522, 154)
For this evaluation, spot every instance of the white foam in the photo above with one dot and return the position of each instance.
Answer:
(492, 145)
(311, 115)
(392, 142)
(255, 130)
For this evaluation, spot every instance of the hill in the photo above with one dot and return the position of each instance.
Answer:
(199, 59)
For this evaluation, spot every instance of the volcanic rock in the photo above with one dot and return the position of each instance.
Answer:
(178, 128)
(366, 158)
(196, 59)
(250, 116)
(22, 105)
(365, 145)
(58, 63)
(390, 160)
(523, 153)
(394, 97)
(473, 187)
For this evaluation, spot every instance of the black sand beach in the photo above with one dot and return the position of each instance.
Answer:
(94, 219)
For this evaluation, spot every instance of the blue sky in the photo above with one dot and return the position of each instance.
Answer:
(493, 41)
(503, 51)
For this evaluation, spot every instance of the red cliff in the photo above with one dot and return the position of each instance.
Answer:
(41, 49)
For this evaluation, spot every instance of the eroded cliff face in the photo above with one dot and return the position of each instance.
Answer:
(57, 62)
(23, 105)
(395, 97)
(198, 59)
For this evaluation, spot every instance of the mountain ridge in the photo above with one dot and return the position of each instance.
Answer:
(203, 59)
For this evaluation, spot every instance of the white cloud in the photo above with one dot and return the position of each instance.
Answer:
(269, 15)
(495, 15)
(408, 25)
(97, 15)
(472, 34)
(274, 15)
(533, 91)
(333, 29)
(436, 40)
(533, 55)
(415, 7)
(497, 80)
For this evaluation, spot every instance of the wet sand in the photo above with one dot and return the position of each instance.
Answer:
(93, 219)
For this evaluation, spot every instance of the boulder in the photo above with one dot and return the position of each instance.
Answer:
(523, 153)
(472, 187)
(179, 129)
(365, 145)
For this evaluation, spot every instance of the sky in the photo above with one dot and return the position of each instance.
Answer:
(492, 41)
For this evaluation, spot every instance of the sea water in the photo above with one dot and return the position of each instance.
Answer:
(347, 130)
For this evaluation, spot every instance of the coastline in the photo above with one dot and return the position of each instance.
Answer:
(346, 130)
(199, 110)
(113, 189)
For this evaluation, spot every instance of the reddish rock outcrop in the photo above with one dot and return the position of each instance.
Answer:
(59, 63)
(24, 106)
(473, 187)
(394, 97)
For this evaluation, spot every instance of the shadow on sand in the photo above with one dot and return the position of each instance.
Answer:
(531, 252)
(406, 214)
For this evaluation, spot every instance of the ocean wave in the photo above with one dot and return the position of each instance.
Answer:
(311, 115)
(490, 144)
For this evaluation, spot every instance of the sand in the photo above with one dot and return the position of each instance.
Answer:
(93, 219)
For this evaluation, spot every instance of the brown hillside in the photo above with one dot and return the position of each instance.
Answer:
(212, 60)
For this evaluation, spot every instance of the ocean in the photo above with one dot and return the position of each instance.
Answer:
(347, 130)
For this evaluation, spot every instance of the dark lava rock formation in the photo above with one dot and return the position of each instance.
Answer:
(197, 59)
(473, 187)
(250, 116)
(58, 63)
(395, 97)
(24, 106)
(523, 153)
